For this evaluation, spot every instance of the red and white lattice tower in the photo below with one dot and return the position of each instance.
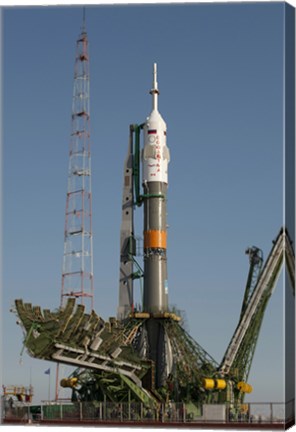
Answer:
(77, 276)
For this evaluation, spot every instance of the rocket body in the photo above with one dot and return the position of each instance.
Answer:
(155, 159)
(154, 343)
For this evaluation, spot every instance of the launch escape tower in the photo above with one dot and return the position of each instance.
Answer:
(77, 273)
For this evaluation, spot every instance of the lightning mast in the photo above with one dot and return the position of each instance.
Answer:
(77, 273)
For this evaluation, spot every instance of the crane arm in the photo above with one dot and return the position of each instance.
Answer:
(250, 322)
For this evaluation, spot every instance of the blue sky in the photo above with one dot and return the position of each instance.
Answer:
(220, 74)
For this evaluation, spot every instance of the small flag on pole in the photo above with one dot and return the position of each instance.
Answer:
(47, 372)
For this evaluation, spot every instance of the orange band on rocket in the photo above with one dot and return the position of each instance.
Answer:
(155, 239)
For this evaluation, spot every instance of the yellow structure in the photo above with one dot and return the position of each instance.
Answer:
(244, 387)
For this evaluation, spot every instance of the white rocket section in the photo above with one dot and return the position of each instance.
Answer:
(156, 155)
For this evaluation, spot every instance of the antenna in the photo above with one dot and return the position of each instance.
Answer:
(83, 20)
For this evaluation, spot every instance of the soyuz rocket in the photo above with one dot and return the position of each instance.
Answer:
(152, 342)
(155, 159)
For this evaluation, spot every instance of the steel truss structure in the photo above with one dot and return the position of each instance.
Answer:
(77, 274)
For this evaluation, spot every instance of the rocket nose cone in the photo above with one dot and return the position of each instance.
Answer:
(156, 117)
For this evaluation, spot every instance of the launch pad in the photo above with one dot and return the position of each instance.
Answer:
(115, 374)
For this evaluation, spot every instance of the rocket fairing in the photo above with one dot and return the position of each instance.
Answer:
(155, 159)
(156, 153)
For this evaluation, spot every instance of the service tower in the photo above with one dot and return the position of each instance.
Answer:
(155, 183)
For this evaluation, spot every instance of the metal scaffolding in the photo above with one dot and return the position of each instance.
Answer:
(77, 273)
